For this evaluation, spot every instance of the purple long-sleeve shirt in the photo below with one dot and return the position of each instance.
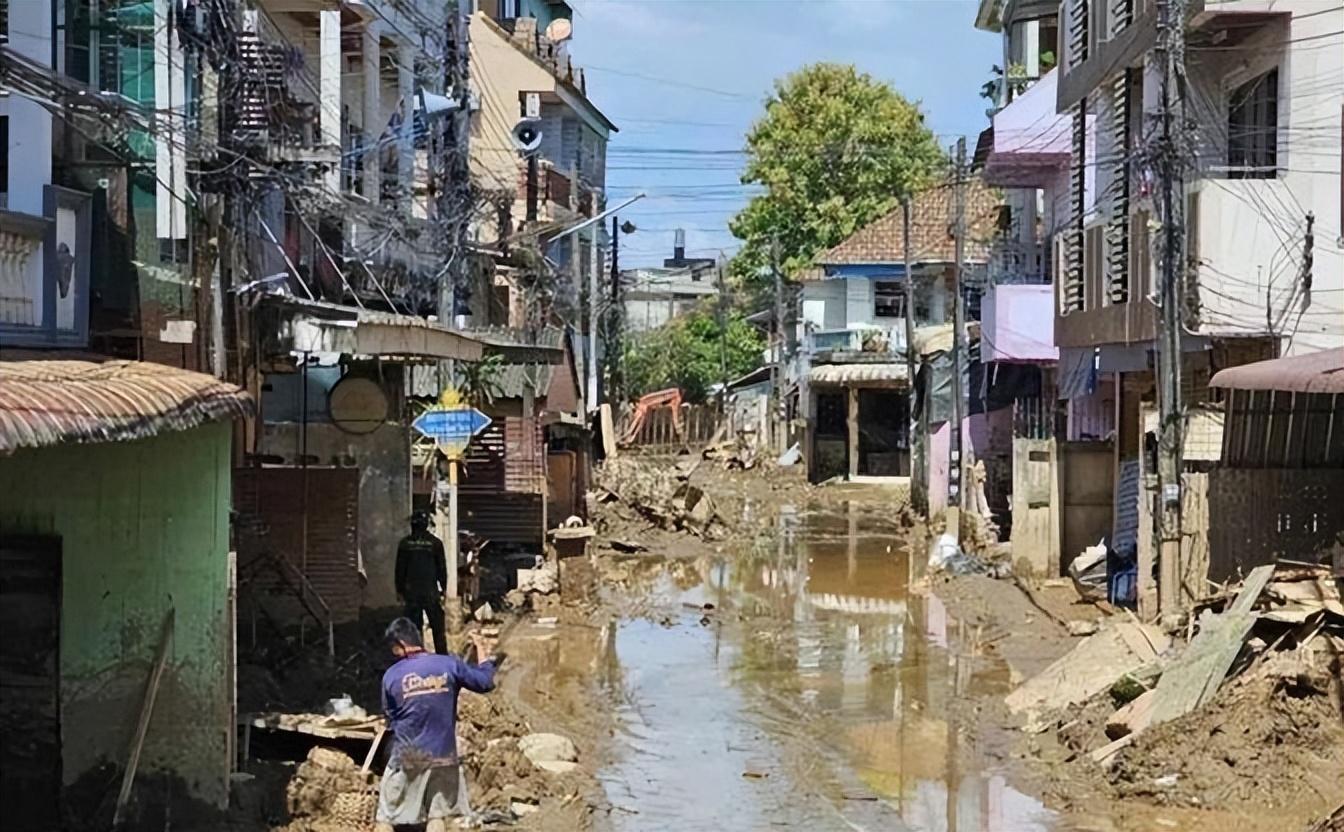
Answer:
(420, 700)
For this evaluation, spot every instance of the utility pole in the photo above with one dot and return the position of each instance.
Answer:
(957, 463)
(454, 203)
(594, 266)
(454, 200)
(1171, 14)
(617, 318)
(777, 348)
(916, 476)
(721, 308)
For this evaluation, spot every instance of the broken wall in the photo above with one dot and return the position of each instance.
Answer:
(144, 528)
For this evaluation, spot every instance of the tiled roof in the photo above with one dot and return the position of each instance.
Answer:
(931, 216)
(55, 402)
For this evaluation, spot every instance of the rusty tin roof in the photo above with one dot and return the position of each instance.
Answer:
(55, 402)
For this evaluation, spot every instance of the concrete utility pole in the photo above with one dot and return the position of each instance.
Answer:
(1170, 53)
(594, 267)
(916, 478)
(454, 202)
(957, 463)
(616, 316)
(722, 310)
(777, 348)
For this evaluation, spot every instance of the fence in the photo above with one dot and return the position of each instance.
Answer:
(669, 430)
(1260, 515)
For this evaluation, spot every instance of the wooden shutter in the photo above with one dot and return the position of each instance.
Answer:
(1117, 235)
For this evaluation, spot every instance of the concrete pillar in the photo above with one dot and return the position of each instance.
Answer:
(373, 115)
(329, 86)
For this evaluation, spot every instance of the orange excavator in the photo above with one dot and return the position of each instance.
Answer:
(647, 403)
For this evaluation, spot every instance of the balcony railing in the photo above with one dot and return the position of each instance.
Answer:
(871, 340)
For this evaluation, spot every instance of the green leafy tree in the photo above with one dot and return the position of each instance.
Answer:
(835, 150)
(685, 353)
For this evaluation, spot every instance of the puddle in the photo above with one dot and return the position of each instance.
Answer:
(814, 696)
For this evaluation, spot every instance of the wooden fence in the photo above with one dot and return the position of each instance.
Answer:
(668, 430)
(1259, 515)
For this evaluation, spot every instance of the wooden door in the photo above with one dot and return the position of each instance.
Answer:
(1087, 490)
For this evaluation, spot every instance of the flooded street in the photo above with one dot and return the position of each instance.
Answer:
(798, 685)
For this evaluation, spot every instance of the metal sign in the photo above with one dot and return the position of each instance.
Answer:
(451, 426)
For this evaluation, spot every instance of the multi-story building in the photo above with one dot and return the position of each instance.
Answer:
(851, 369)
(538, 142)
(1255, 125)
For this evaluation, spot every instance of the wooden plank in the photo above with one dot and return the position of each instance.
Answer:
(146, 711)
(1194, 678)
(373, 750)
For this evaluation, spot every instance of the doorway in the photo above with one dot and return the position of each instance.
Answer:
(30, 618)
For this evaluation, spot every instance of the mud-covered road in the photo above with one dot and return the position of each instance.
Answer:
(786, 682)
(790, 674)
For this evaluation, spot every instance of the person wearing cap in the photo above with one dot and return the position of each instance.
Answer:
(422, 577)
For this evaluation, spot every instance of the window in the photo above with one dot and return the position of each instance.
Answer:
(888, 300)
(1253, 127)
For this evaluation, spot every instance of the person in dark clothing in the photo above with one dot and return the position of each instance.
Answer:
(422, 577)
(423, 782)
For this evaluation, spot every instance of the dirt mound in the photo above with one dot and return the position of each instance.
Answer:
(1271, 738)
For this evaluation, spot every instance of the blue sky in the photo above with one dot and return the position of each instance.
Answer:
(680, 75)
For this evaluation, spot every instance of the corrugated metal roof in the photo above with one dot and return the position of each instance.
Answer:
(1315, 372)
(53, 402)
(858, 374)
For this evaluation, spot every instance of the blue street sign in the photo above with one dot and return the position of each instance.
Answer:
(451, 427)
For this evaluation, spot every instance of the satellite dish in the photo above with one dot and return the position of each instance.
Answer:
(559, 30)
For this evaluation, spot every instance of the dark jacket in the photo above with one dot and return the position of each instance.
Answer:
(421, 569)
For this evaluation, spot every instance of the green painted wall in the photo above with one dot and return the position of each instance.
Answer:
(144, 528)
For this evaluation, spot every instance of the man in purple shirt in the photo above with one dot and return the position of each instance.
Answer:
(423, 782)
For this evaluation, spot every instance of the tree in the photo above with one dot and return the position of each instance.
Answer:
(835, 150)
(685, 353)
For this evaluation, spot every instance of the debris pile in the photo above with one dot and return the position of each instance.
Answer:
(328, 793)
(734, 453)
(1198, 721)
(662, 497)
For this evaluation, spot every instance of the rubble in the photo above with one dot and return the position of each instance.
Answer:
(550, 752)
(662, 497)
(1091, 668)
(1246, 713)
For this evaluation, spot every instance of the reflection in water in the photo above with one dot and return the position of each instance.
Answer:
(826, 706)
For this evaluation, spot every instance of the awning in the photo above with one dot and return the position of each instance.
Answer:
(56, 402)
(868, 375)
(1314, 372)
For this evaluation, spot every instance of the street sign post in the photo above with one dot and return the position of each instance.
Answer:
(451, 424)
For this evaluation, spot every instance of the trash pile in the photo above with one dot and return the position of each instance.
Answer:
(1244, 708)
(662, 497)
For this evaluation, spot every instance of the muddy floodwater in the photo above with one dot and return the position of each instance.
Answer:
(796, 685)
